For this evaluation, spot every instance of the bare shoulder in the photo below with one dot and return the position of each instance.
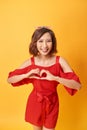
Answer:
(25, 64)
(65, 65)
(62, 60)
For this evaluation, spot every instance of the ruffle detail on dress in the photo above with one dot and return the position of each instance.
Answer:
(19, 72)
(69, 75)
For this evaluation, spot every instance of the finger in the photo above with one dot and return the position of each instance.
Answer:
(36, 71)
(43, 73)
(35, 77)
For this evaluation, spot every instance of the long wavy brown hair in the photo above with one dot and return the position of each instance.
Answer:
(36, 36)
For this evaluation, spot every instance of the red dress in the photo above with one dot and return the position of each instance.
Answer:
(43, 105)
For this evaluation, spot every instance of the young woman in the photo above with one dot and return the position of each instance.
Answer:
(45, 70)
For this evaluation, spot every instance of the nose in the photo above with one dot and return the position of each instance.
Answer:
(44, 44)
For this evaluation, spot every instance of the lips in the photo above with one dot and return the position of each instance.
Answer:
(44, 50)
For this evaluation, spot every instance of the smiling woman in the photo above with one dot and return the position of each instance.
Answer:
(45, 70)
(44, 44)
(48, 37)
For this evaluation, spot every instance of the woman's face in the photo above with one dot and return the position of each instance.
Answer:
(44, 44)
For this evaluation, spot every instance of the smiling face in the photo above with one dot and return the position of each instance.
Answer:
(43, 41)
(44, 44)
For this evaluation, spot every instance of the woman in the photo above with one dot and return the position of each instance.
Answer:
(45, 70)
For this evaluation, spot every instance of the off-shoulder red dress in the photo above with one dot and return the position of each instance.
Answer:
(43, 105)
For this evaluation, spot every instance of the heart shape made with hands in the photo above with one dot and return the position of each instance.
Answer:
(41, 74)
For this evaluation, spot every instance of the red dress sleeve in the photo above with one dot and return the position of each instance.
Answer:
(19, 72)
(69, 75)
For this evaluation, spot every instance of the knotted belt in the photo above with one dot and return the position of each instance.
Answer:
(47, 100)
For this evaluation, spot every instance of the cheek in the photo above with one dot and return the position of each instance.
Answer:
(50, 46)
(38, 46)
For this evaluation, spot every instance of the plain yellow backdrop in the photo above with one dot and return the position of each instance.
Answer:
(18, 19)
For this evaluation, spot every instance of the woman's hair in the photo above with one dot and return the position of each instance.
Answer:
(39, 32)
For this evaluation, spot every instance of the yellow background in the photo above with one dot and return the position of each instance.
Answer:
(18, 19)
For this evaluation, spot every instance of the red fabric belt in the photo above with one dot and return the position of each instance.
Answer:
(42, 98)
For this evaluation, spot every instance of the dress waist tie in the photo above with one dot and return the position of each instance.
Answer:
(48, 101)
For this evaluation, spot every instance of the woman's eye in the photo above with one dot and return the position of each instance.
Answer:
(41, 41)
(49, 41)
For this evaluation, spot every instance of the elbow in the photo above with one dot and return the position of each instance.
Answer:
(79, 86)
(8, 80)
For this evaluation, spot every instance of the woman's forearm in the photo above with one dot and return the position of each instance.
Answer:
(68, 83)
(16, 78)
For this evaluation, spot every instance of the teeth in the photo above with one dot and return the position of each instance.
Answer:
(45, 50)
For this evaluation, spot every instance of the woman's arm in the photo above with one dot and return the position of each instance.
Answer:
(16, 76)
(66, 77)
(23, 72)
(68, 82)
(71, 83)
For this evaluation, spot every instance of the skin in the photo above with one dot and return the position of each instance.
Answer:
(44, 46)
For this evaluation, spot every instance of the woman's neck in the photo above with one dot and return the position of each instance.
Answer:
(41, 57)
(45, 60)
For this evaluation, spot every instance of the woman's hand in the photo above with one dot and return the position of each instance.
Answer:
(33, 73)
(45, 74)
(42, 75)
